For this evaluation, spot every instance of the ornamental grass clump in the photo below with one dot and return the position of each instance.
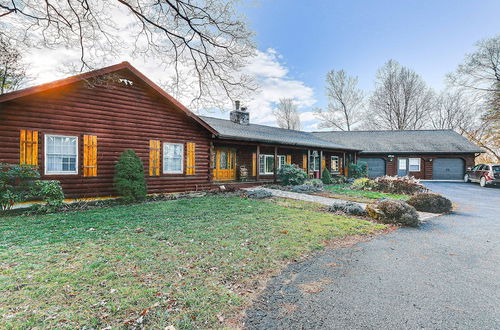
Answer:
(129, 177)
(430, 202)
(365, 184)
(350, 208)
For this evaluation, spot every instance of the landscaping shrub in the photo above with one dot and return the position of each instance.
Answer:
(310, 186)
(326, 176)
(50, 192)
(364, 184)
(394, 212)
(15, 183)
(358, 170)
(430, 202)
(339, 179)
(129, 177)
(259, 193)
(347, 208)
(291, 175)
(400, 185)
(315, 183)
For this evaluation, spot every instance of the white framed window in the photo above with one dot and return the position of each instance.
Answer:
(314, 163)
(334, 164)
(173, 158)
(402, 164)
(266, 163)
(61, 154)
(414, 164)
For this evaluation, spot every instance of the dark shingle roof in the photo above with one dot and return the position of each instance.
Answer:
(268, 134)
(417, 141)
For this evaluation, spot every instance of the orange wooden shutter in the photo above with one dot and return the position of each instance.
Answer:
(289, 159)
(154, 157)
(89, 155)
(254, 164)
(323, 163)
(304, 162)
(28, 147)
(191, 158)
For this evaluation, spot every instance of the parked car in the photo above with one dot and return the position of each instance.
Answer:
(485, 174)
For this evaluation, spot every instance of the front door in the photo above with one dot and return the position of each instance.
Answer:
(402, 166)
(224, 164)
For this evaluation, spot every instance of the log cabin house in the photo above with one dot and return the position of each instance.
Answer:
(75, 129)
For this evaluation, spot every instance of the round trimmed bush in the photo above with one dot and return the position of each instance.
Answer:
(430, 202)
(291, 175)
(392, 211)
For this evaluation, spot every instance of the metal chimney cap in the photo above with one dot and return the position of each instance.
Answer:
(237, 104)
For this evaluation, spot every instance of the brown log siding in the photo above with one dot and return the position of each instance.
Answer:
(122, 117)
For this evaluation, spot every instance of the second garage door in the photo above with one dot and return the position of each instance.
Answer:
(448, 169)
(376, 166)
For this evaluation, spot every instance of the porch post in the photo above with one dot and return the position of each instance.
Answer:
(320, 163)
(344, 164)
(308, 169)
(257, 163)
(275, 164)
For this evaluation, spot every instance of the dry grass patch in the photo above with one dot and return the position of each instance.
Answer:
(314, 286)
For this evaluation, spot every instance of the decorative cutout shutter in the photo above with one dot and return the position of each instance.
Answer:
(28, 147)
(191, 158)
(154, 157)
(254, 164)
(89, 155)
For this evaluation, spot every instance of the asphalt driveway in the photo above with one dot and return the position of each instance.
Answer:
(444, 275)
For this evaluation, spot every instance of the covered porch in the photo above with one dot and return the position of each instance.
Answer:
(240, 162)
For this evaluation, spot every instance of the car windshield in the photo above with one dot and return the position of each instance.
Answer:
(496, 168)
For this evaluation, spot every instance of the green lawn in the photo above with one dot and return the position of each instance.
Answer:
(343, 189)
(188, 263)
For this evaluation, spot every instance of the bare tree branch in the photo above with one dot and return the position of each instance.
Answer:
(287, 115)
(205, 36)
(345, 102)
(401, 99)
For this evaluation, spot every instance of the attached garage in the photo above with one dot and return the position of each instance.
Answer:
(448, 169)
(376, 166)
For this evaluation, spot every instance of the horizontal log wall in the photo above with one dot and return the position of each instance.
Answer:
(122, 117)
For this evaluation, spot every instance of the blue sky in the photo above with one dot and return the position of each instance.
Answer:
(299, 41)
(313, 37)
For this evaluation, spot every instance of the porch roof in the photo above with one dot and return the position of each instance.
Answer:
(268, 134)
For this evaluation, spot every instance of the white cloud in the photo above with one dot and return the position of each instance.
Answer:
(275, 83)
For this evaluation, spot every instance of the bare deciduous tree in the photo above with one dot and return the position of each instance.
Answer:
(205, 35)
(287, 115)
(479, 74)
(12, 67)
(345, 102)
(480, 70)
(401, 99)
(453, 110)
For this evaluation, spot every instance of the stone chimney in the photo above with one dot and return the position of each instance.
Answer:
(239, 115)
